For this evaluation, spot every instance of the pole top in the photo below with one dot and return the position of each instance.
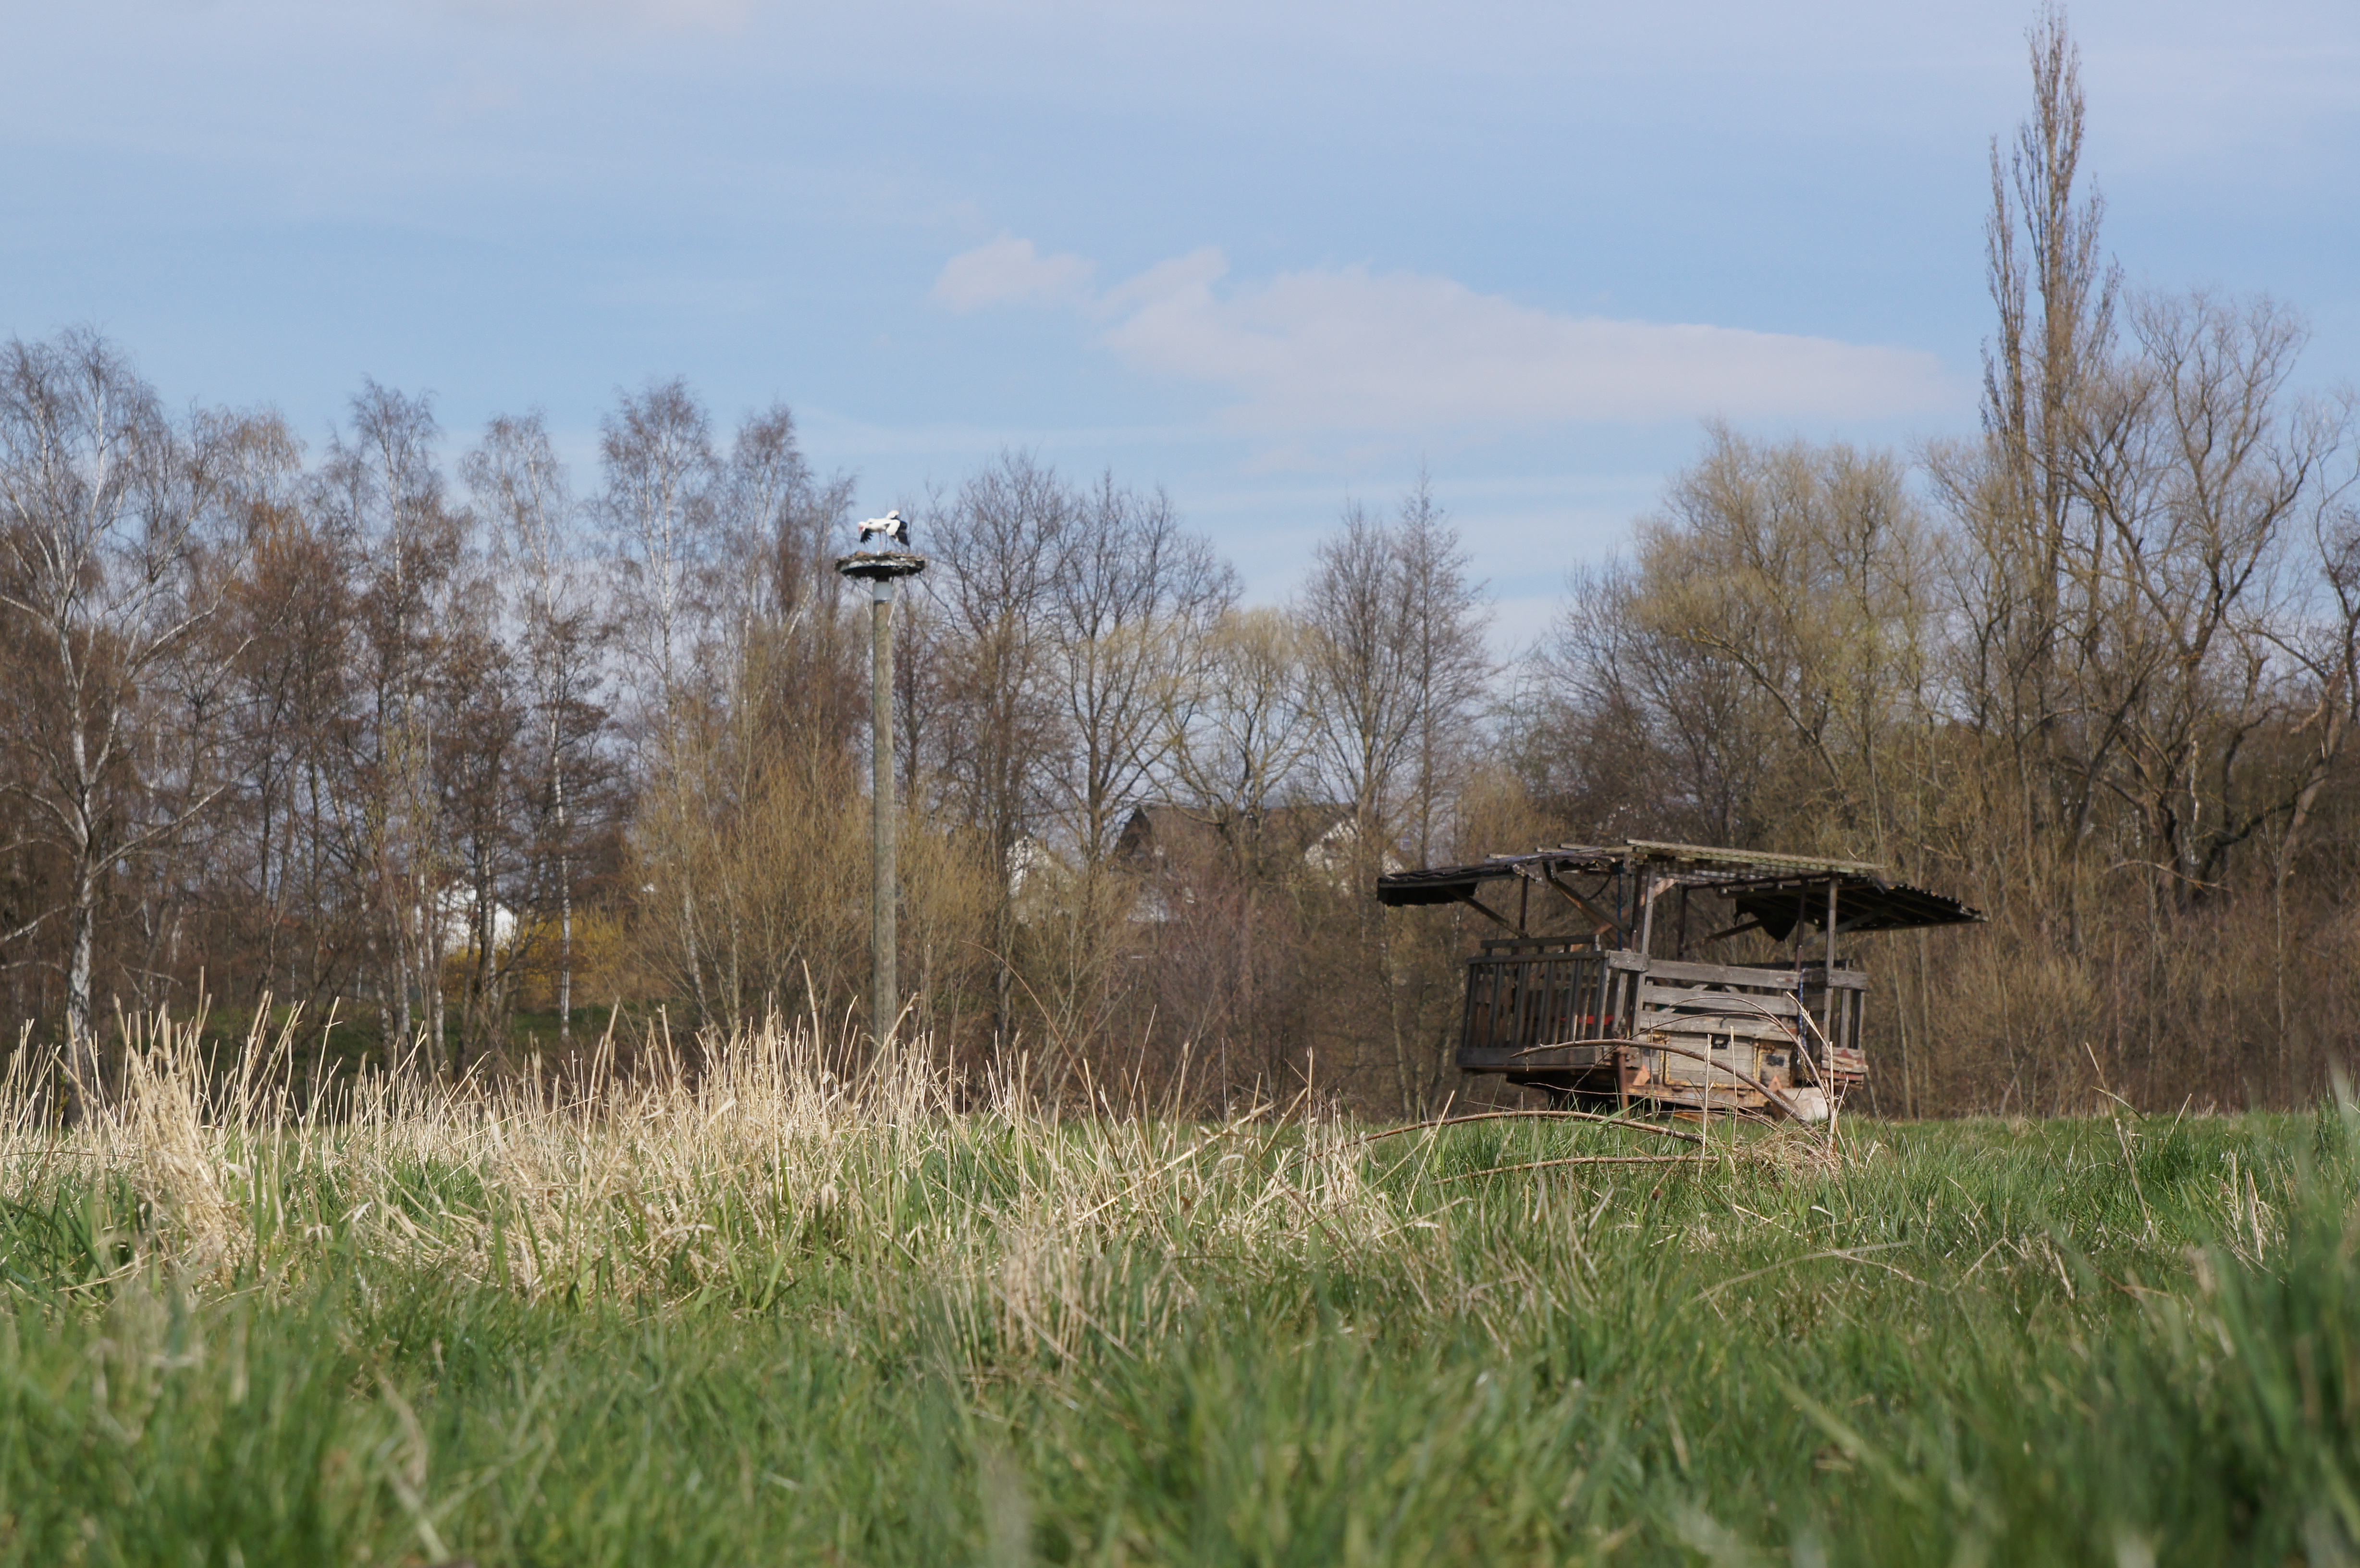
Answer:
(880, 565)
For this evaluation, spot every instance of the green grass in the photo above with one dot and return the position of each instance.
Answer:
(903, 1335)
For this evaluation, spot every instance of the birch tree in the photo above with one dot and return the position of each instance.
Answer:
(383, 485)
(117, 543)
(521, 487)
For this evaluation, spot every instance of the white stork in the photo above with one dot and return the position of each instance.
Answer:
(896, 531)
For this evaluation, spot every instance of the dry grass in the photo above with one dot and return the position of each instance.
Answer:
(667, 1185)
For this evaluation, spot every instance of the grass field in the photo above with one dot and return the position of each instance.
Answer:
(771, 1318)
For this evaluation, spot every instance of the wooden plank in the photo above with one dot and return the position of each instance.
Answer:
(1738, 1048)
(1653, 1021)
(1711, 855)
(1757, 979)
(1691, 1075)
(1550, 1058)
(1714, 1025)
(1725, 1100)
(1749, 1004)
(1495, 1061)
(1548, 1053)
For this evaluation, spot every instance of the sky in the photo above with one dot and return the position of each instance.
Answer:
(1273, 257)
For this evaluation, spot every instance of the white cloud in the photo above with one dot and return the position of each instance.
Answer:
(672, 15)
(1009, 271)
(1345, 348)
(1187, 277)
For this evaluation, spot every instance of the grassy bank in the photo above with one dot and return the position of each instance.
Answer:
(775, 1317)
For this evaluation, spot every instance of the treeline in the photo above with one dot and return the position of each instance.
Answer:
(478, 753)
(2093, 668)
(468, 753)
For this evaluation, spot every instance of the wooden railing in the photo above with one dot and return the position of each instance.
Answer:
(1543, 1009)
(1524, 994)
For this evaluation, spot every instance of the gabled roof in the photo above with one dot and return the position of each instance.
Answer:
(1773, 890)
(1155, 829)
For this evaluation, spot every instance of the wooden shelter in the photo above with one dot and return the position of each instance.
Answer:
(1637, 1004)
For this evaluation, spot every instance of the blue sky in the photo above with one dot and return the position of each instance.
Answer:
(1269, 256)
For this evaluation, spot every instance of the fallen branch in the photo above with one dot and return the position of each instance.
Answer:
(1582, 1160)
(1553, 1116)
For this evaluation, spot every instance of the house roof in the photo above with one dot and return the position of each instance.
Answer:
(1156, 826)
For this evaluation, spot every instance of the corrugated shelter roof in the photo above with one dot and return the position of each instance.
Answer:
(1863, 903)
(1450, 884)
(1773, 890)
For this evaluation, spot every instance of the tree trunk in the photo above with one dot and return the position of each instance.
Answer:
(564, 892)
(81, 1024)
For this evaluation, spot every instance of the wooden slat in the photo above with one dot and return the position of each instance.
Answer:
(1749, 1004)
(1712, 1023)
(1549, 1057)
(1697, 1024)
(1678, 1070)
(1759, 979)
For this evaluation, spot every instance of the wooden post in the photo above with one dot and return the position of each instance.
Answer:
(885, 982)
(1827, 1003)
(881, 570)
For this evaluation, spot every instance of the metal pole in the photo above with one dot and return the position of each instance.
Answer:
(879, 568)
(885, 992)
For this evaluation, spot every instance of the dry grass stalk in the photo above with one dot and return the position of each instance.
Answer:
(665, 1182)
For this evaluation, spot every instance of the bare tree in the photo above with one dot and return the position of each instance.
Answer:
(1131, 601)
(384, 485)
(741, 832)
(661, 471)
(997, 719)
(1450, 670)
(656, 449)
(116, 546)
(293, 906)
(1626, 733)
(484, 725)
(1244, 732)
(1779, 621)
(521, 486)
(2201, 473)
(2030, 536)
(1394, 652)
(1393, 633)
